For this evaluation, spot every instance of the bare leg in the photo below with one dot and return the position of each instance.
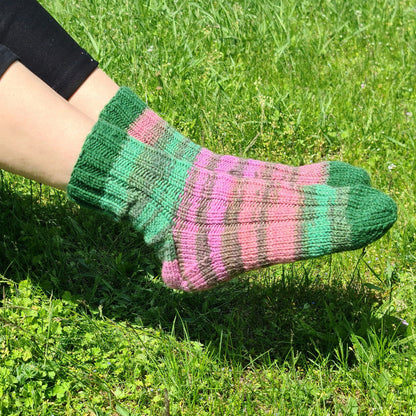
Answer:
(41, 135)
(94, 94)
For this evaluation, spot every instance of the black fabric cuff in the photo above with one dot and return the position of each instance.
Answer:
(7, 57)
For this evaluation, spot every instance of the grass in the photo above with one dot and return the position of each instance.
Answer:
(87, 327)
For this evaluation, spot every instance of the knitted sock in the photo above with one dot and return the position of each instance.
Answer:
(208, 226)
(128, 112)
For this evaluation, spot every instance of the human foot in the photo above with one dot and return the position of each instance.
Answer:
(208, 226)
(128, 112)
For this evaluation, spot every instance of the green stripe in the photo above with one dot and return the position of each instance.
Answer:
(151, 181)
(164, 220)
(342, 174)
(178, 145)
(100, 152)
(116, 189)
(159, 183)
(124, 108)
(369, 209)
(126, 178)
(317, 237)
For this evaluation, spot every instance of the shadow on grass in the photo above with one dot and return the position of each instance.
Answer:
(105, 264)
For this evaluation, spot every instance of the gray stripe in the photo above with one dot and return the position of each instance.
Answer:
(238, 170)
(268, 171)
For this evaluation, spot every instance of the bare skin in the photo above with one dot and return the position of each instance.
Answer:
(94, 94)
(48, 132)
(41, 134)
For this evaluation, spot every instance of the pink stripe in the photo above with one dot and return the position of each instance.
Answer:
(218, 209)
(147, 128)
(282, 232)
(248, 241)
(249, 218)
(226, 164)
(185, 232)
(203, 158)
(186, 251)
(312, 174)
(172, 277)
(196, 191)
(252, 190)
(281, 172)
(251, 169)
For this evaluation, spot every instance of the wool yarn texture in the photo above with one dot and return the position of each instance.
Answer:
(208, 225)
(128, 112)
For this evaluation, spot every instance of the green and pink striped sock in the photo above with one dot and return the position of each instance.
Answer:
(209, 226)
(128, 112)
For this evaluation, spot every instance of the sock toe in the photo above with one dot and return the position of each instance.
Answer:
(371, 215)
(344, 174)
(346, 218)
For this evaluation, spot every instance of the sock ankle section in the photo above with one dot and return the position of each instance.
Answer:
(206, 226)
(128, 112)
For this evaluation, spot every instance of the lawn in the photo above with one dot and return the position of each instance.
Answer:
(87, 326)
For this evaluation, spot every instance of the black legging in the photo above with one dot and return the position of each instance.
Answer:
(30, 34)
